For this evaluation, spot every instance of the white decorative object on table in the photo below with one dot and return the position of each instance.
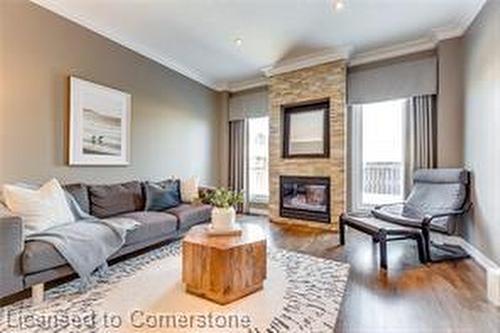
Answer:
(224, 213)
(223, 219)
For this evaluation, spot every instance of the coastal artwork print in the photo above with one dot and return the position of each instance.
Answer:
(99, 124)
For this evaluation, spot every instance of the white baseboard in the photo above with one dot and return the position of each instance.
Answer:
(492, 269)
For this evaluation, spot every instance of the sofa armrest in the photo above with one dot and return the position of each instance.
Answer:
(11, 249)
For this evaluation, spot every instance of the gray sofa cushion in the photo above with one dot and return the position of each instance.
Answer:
(81, 194)
(41, 256)
(152, 225)
(191, 214)
(111, 200)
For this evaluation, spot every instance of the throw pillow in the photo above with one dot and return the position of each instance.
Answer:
(162, 196)
(189, 190)
(41, 208)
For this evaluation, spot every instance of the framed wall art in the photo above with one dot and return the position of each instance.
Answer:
(99, 124)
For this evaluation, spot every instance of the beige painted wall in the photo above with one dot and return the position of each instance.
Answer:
(482, 128)
(450, 104)
(175, 121)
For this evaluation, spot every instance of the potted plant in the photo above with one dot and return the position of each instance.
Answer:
(224, 213)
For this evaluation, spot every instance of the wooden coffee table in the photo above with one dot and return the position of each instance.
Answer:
(224, 269)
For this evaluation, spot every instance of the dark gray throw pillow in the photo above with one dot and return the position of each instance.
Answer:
(162, 195)
(115, 199)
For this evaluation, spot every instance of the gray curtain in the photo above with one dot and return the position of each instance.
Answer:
(421, 136)
(237, 158)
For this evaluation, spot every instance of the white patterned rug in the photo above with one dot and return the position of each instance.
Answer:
(145, 294)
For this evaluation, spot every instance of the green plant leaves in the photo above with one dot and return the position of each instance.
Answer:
(223, 198)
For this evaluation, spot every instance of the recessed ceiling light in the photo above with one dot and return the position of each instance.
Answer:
(338, 5)
(238, 41)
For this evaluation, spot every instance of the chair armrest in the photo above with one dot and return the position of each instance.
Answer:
(11, 249)
(445, 214)
(428, 218)
(388, 205)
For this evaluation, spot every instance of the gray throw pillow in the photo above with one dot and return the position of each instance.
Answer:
(162, 196)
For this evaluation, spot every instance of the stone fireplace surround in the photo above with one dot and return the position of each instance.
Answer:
(326, 81)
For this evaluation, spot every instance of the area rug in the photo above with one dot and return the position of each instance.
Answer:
(145, 294)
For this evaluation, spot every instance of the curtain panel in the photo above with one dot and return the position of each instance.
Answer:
(238, 150)
(421, 145)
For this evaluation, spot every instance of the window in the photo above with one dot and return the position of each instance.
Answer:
(378, 153)
(258, 160)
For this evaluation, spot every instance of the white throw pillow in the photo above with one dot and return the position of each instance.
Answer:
(189, 190)
(40, 209)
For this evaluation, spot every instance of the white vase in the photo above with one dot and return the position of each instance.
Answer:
(223, 218)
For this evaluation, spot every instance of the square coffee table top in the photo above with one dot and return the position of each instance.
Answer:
(250, 234)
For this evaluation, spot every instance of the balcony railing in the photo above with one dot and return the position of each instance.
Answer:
(383, 178)
(259, 182)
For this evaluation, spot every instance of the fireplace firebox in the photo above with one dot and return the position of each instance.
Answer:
(306, 198)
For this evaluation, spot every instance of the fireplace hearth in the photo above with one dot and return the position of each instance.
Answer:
(306, 198)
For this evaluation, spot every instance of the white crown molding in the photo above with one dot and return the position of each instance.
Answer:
(247, 84)
(467, 19)
(306, 61)
(134, 46)
(393, 51)
(288, 65)
(444, 33)
(461, 26)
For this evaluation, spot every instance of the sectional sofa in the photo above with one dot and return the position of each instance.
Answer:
(26, 264)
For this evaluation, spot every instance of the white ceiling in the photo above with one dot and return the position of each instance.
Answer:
(196, 37)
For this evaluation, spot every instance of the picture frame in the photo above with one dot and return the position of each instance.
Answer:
(99, 124)
(306, 130)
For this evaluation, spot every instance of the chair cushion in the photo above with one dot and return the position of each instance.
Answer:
(191, 214)
(110, 200)
(441, 176)
(81, 194)
(406, 215)
(431, 198)
(152, 225)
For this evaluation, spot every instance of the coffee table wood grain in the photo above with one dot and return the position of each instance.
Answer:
(224, 269)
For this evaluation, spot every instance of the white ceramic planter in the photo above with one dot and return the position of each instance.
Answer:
(223, 218)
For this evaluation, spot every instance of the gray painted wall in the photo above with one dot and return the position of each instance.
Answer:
(482, 127)
(175, 121)
(450, 104)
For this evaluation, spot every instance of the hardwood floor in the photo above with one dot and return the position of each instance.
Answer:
(409, 297)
